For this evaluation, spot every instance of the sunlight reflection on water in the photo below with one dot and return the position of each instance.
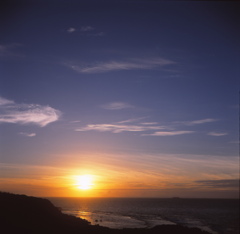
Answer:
(212, 215)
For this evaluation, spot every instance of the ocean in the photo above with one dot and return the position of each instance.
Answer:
(217, 216)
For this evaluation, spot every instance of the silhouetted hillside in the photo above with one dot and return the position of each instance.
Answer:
(20, 214)
(25, 214)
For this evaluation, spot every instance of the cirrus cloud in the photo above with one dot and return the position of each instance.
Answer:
(11, 112)
(116, 106)
(217, 133)
(131, 64)
(71, 30)
(86, 28)
(169, 133)
(28, 134)
(199, 121)
(4, 101)
(118, 128)
(227, 183)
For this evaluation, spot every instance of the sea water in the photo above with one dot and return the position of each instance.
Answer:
(217, 216)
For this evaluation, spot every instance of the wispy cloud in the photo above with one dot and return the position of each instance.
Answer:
(4, 101)
(132, 120)
(118, 128)
(149, 123)
(116, 106)
(169, 133)
(82, 29)
(11, 112)
(134, 125)
(86, 28)
(232, 183)
(28, 134)
(217, 134)
(71, 30)
(132, 64)
(75, 121)
(91, 31)
(196, 122)
(143, 127)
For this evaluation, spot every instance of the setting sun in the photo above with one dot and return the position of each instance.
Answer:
(84, 182)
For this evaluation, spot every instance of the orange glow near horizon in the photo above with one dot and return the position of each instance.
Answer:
(84, 182)
(108, 177)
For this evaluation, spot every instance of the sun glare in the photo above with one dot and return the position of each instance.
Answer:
(84, 182)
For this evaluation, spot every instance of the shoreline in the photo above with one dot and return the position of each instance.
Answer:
(31, 215)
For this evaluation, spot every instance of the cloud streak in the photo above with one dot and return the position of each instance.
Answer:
(11, 112)
(145, 128)
(217, 134)
(133, 64)
(169, 133)
(200, 121)
(4, 101)
(71, 30)
(116, 106)
(28, 134)
(232, 183)
(86, 28)
(118, 128)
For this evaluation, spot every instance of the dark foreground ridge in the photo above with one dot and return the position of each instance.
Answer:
(22, 214)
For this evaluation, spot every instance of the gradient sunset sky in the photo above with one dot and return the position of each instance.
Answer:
(141, 95)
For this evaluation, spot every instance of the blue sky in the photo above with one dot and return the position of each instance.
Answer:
(144, 87)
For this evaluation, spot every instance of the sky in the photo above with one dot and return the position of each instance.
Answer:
(141, 96)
